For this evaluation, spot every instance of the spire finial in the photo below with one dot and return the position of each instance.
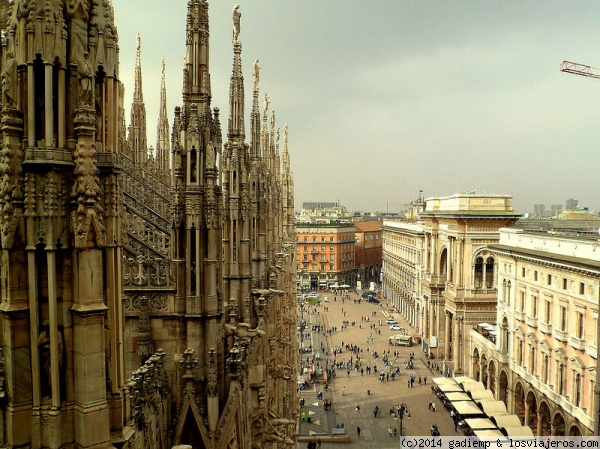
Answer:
(138, 48)
(256, 73)
(236, 22)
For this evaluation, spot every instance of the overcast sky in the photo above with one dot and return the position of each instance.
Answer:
(386, 98)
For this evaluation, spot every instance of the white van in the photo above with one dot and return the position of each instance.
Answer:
(400, 340)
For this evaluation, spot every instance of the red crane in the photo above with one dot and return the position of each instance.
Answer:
(579, 69)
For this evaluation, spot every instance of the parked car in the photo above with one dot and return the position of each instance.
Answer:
(396, 327)
(373, 300)
(313, 295)
(391, 320)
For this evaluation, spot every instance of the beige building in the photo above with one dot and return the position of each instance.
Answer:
(459, 278)
(541, 358)
(402, 269)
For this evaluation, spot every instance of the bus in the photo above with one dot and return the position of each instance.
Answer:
(400, 340)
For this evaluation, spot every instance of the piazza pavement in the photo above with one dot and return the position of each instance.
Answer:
(365, 391)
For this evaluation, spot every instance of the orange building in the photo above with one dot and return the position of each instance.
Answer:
(368, 255)
(325, 255)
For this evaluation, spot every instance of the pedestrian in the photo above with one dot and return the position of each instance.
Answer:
(344, 391)
(358, 409)
(319, 443)
(419, 380)
(425, 379)
(358, 431)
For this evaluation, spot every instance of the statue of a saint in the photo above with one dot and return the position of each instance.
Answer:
(256, 73)
(236, 22)
(45, 355)
(285, 132)
(84, 71)
(266, 105)
(8, 80)
(211, 159)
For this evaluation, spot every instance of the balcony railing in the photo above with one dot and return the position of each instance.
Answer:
(577, 343)
(532, 321)
(560, 335)
(546, 328)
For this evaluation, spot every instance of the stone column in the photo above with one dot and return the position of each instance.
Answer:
(538, 430)
(88, 308)
(427, 243)
(447, 338)
(49, 110)
(449, 261)
(459, 264)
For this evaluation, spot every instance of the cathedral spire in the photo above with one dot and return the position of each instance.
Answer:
(236, 92)
(137, 127)
(162, 133)
(196, 76)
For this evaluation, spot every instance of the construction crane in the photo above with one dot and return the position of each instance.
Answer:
(579, 69)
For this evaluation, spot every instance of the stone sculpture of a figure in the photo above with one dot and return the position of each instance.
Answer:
(266, 105)
(45, 355)
(256, 73)
(8, 80)
(236, 22)
(85, 74)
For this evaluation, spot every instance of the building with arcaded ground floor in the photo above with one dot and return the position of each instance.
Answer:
(541, 359)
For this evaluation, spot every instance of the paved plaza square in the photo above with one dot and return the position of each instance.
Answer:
(365, 391)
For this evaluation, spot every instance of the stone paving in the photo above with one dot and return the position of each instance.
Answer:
(385, 395)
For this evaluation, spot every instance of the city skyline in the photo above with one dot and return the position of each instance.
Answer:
(388, 98)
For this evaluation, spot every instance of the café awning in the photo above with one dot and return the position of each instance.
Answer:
(490, 433)
(505, 420)
(473, 386)
(463, 379)
(521, 431)
(467, 408)
(480, 423)
(481, 395)
(492, 407)
(450, 388)
(457, 396)
(444, 381)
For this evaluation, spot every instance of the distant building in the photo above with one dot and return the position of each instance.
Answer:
(572, 204)
(556, 209)
(325, 255)
(539, 210)
(368, 251)
(321, 212)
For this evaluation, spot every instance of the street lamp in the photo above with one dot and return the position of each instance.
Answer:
(401, 415)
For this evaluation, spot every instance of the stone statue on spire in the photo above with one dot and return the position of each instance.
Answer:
(236, 22)
(256, 73)
(266, 106)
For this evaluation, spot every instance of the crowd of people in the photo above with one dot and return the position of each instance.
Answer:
(354, 359)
